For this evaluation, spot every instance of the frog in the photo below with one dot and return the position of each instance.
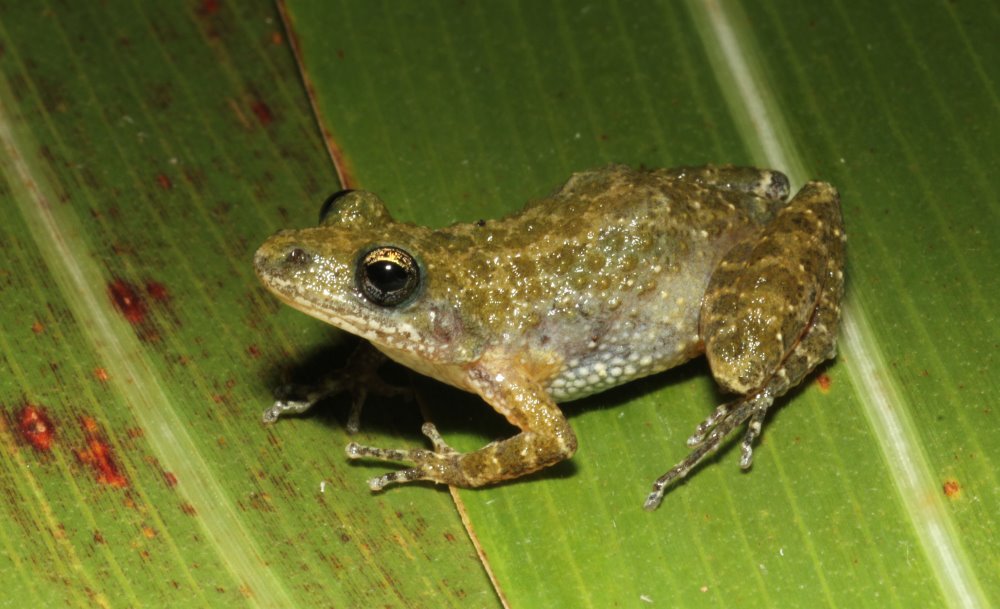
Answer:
(618, 274)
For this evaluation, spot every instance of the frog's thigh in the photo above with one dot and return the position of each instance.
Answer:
(765, 183)
(772, 305)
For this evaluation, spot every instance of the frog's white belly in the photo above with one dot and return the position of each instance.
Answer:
(644, 338)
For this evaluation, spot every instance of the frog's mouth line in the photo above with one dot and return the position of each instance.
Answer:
(399, 334)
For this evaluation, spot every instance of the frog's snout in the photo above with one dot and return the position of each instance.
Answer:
(281, 251)
(263, 263)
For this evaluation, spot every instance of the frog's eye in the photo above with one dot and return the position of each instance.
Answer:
(388, 275)
(330, 205)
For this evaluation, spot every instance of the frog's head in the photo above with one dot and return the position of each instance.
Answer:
(365, 273)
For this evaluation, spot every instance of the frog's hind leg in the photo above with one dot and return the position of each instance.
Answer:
(709, 435)
(765, 183)
(769, 317)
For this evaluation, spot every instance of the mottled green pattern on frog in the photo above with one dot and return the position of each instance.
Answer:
(620, 274)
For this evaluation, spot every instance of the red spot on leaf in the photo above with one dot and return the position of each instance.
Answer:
(277, 39)
(89, 425)
(99, 456)
(209, 7)
(101, 374)
(164, 181)
(263, 113)
(254, 351)
(127, 301)
(157, 291)
(824, 381)
(188, 509)
(951, 488)
(170, 478)
(37, 327)
(36, 427)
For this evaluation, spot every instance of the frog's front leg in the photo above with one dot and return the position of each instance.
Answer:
(769, 317)
(358, 377)
(545, 439)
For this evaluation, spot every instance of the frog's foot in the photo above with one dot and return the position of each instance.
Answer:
(296, 399)
(428, 465)
(710, 434)
(310, 395)
(358, 378)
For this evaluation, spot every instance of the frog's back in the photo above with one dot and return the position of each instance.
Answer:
(602, 282)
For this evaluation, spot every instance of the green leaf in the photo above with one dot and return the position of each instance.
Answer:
(149, 149)
(456, 111)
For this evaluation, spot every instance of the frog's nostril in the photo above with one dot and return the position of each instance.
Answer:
(298, 257)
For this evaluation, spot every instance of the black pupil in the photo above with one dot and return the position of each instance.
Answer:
(387, 275)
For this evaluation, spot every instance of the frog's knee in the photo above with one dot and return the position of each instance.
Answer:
(819, 190)
(740, 360)
(823, 202)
